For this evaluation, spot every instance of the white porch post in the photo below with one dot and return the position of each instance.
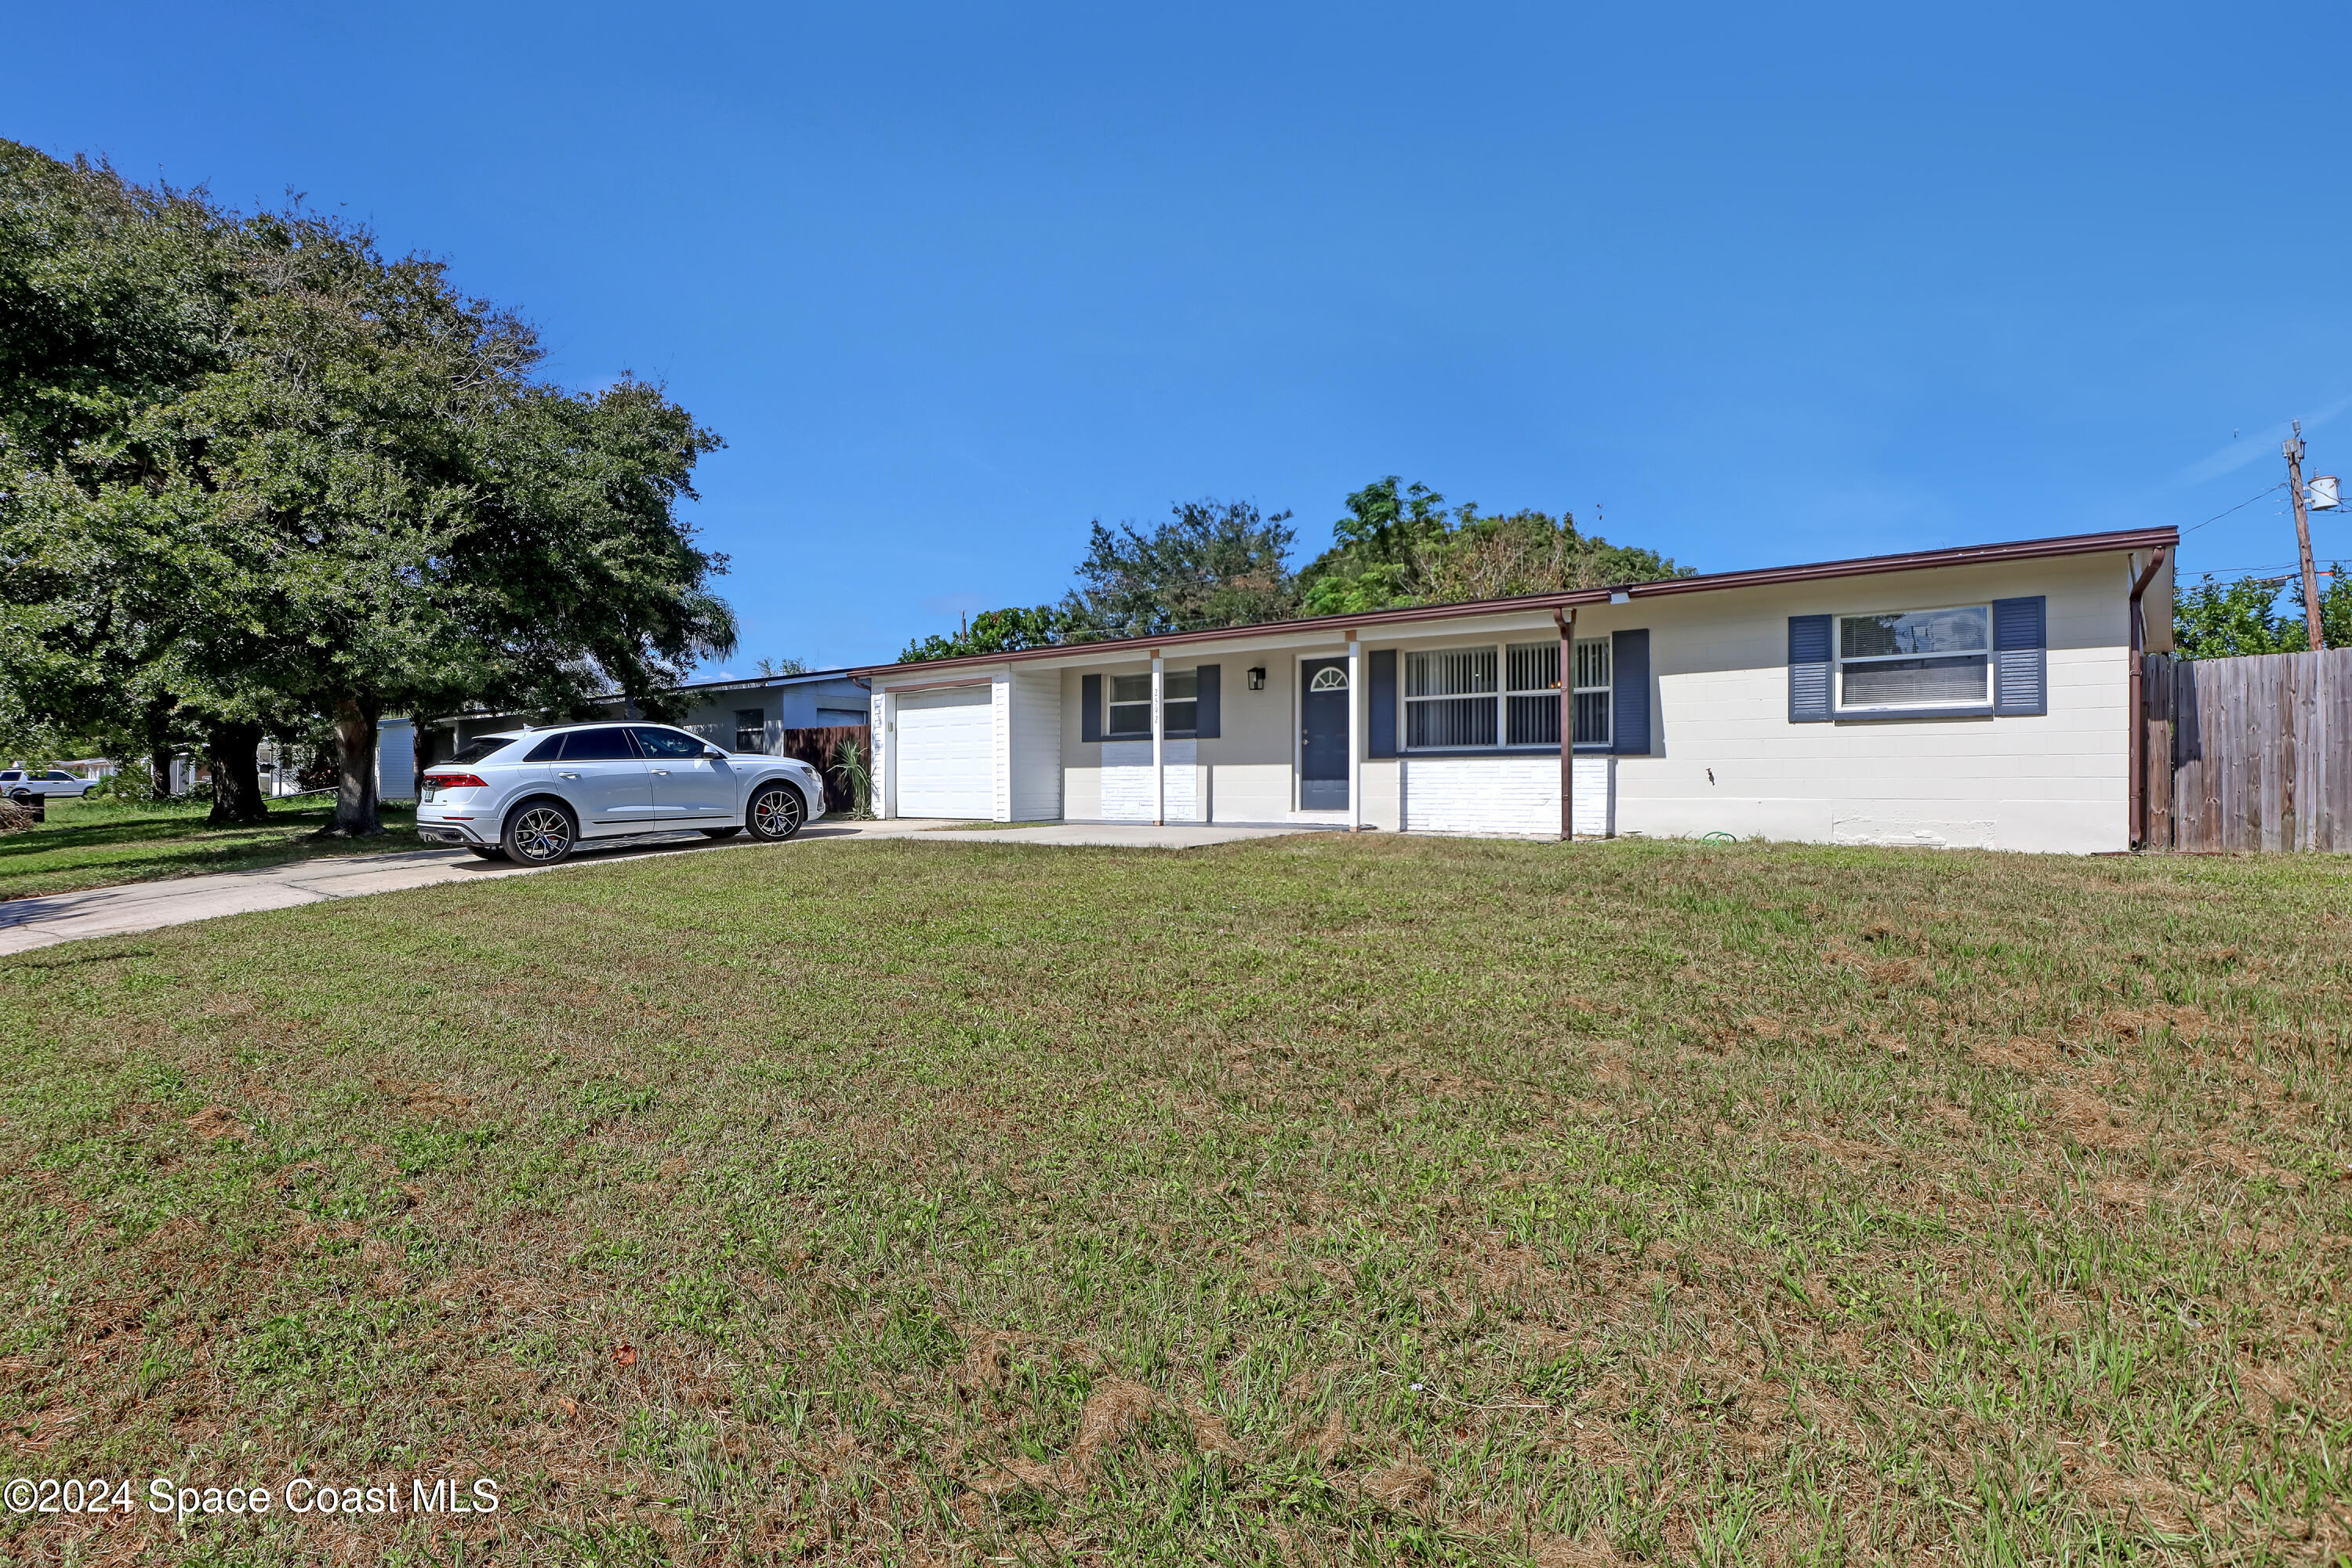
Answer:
(1355, 735)
(1566, 619)
(885, 763)
(1159, 740)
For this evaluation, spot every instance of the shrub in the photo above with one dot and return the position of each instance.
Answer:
(132, 782)
(854, 778)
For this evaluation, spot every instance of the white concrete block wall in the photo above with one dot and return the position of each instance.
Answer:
(1249, 763)
(1126, 776)
(1506, 796)
(1720, 672)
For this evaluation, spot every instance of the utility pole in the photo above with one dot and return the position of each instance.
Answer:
(2292, 446)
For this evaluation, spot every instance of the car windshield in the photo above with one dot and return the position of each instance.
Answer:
(484, 749)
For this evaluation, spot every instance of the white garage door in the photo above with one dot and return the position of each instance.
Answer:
(947, 753)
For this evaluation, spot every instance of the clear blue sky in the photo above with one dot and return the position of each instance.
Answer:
(1763, 285)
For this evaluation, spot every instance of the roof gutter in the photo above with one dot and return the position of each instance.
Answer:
(2138, 749)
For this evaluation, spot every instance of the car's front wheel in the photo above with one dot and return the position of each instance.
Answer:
(777, 813)
(540, 833)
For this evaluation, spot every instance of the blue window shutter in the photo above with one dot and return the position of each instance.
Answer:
(1629, 699)
(1809, 669)
(1380, 742)
(1090, 713)
(1205, 726)
(2020, 656)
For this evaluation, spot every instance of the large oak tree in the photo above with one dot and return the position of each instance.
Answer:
(351, 493)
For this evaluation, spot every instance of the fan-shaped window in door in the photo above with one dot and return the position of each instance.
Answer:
(1330, 678)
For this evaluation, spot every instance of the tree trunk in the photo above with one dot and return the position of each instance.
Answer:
(355, 805)
(157, 716)
(237, 777)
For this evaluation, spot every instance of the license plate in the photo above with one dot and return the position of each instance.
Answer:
(429, 794)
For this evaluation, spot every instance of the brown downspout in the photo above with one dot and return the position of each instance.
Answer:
(2138, 749)
(1567, 621)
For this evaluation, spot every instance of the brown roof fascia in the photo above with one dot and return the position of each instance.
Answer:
(1764, 576)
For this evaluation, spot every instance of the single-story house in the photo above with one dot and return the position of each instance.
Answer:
(1976, 696)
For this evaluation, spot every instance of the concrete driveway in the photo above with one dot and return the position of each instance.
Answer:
(47, 920)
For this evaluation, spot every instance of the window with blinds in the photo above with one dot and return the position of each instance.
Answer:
(1591, 694)
(1916, 658)
(1128, 711)
(1457, 698)
(1449, 698)
(1531, 704)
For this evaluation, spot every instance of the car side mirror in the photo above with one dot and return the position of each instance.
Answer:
(715, 754)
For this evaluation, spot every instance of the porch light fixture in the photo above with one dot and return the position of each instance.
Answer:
(1258, 677)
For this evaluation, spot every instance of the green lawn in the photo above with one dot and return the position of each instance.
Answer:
(96, 843)
(1311, 1199)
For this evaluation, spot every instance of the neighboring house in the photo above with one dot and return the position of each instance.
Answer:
(1959, 697)
(742, 715)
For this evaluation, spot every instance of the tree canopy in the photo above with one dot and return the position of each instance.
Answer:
(1398, 544)
(262, 469)
(1212, 564)
(996, 631)
(1223, 564)
(2224, 620)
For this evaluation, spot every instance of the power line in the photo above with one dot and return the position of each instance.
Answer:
(2240, 507)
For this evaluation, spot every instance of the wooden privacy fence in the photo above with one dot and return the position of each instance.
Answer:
(821, 748)
(2249, 754)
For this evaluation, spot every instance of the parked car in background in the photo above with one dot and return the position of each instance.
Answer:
(533, 795)
(52, 783)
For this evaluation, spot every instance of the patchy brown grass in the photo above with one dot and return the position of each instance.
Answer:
(1302, 1200)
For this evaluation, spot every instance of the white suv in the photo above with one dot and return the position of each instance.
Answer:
(24, 783)
(532, 795)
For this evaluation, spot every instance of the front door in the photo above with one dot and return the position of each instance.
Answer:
(1323, 735)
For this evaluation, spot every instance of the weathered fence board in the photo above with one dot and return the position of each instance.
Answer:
(2249, 754)
(821, 748)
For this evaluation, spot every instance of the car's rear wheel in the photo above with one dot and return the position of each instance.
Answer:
(540, 833)
(776, 813)
(721, 832)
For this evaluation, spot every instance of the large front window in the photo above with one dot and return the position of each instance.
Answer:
(1591, 693)
(1130, 704)
(1916, 658)
(1469, 698)
(1449, 698)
